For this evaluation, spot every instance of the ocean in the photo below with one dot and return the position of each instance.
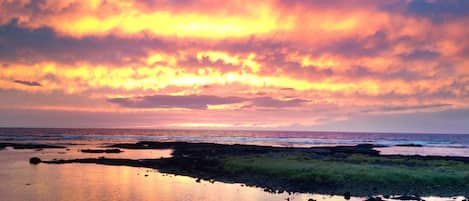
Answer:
(428, 144)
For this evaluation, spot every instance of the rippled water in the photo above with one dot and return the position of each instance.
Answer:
(433, 144)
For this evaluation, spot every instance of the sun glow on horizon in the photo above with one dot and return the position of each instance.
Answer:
(272, 64)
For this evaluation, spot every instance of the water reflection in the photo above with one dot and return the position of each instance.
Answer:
(22, 181)
(424, 151)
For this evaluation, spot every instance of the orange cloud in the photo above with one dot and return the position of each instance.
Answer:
(348, 58)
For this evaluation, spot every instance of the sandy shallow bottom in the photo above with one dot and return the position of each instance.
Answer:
(80, 182)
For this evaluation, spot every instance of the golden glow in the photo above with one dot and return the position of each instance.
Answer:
(158, 77)
(198, 125)
(344, 58)
(226, 106)
(169, 24)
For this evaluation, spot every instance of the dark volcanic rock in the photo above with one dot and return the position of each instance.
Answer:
(347, 195)
(35, 160)
(96, 151)
(407, 197)
(374, 199)
(29, 146)
(207, 149)
(408, 145)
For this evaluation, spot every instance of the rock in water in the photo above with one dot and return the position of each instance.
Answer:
(374, 199)
(107, 151)
(35, 160)
(408, 145)
(347, 195)
(407, 197)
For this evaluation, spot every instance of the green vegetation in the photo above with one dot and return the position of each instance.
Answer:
(358, 173)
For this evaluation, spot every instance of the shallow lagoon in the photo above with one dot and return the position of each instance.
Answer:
(23, 181)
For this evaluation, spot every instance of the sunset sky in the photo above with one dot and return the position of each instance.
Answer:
(351, 65)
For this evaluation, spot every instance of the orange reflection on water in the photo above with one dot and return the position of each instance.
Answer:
(90, 182)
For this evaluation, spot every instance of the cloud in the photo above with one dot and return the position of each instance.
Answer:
(279, 59)
(370, 45)
(439, 10)
(19, 44)
(28, 83)
(192, 62)
(159, 18)
(275, 103)
(202, 101)
(168, 101)
(396, 73)
(420, 55)
(402, 108)
(287, 89)
(440, 121)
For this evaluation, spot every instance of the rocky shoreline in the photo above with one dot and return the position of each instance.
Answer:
(357, 170)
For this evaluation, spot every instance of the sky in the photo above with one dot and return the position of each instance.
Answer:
(336, 65)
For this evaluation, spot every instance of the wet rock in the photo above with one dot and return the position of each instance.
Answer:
(374, 199)
(407, 197)
(30, 146)
(347, 195)
(197, 180)
(408, 145)
(99, 151)
(271, 190)
(35, 160)
(386, 196)
(311, 199)
(146, 175)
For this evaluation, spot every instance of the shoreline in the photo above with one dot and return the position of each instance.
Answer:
(359, 170)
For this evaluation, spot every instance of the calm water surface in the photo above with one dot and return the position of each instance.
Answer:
(88, 182)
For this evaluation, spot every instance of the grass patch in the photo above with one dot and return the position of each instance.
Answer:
(357, 173)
